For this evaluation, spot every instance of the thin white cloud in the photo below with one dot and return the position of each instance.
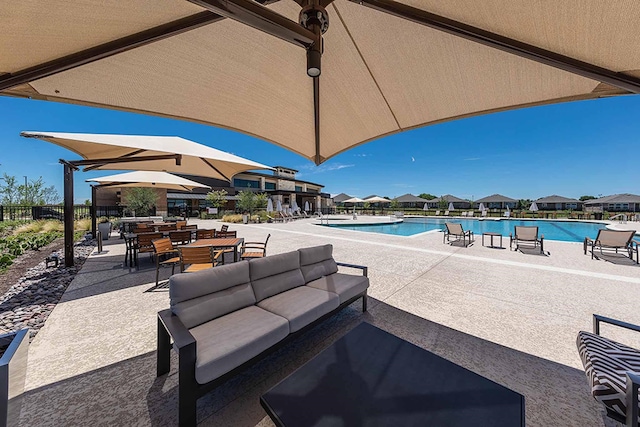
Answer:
(362, 155)
(472, 159)
(314, 170)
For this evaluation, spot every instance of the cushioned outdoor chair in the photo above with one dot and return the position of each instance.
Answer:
(251, 250)
(527, 235)
(454, 229)
(613, 371)
(198, 258)
(612, 240)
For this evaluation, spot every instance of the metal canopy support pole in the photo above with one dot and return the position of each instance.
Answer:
(68, 213)
(93, 210)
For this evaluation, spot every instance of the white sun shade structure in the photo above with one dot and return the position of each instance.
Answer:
(148, 179)
(354, 200)
(322, 80)
(451, 208)
(149, 153)
(533, 207)
(482, 208)
(377, 199)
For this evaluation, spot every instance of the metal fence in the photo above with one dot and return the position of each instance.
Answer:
(17, 212)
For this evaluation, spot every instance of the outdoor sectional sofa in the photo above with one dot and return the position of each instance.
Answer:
(223, 319)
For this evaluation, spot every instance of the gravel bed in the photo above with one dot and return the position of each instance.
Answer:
(27, 303)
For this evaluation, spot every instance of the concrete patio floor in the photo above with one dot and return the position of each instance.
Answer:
(512, 317)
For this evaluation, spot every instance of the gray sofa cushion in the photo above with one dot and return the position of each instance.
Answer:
(345, 285)
(275, 274)
(301, 305)
(316, 262)
(227, 342)
(199, 297)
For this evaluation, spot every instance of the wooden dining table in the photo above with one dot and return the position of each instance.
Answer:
(224, 243)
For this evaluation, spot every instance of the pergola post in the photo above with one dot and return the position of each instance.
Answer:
(68, 213)
(93, 211)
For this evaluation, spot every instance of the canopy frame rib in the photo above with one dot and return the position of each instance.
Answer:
(215, 169)
(505, 44)
(106, 161)
(108, 49)
(133, 153)
(253, 14)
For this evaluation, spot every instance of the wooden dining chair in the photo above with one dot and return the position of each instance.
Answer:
(224, 228)
(167, 227)
(252, 250)
(180, 224)
(198, 258)
(163, 248)
(144, 243)
(182, 237)
(191, 227)
(205, 234)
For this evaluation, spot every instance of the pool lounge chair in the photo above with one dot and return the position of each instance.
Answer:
(463, 213)
(484, 214)
(437, 213)
(527, 235)
(454, 229)
(446, 213)
(612, 240)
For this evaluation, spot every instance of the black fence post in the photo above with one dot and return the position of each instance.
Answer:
(1, 213)
(68, 214)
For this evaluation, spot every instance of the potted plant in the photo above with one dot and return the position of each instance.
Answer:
(13, 371)
(104, 227)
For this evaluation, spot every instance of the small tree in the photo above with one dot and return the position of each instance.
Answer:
(217, 198)
(394, 204)
(366, 206)
(9, 190)
(427, 196)
(442, 203)
(141, 200)
(585, 198)
(246, 201)
(261, 200)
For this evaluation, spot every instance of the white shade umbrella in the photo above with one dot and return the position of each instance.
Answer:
(533, 207)
(508, 210)
(377, 199)
(172, 58)
(195, 159)
(149, 179)
(294, 205)
(451, 208)
(425, 207)
(482, 208)
(354, 200)
(306, 206)
(279, 206)
(269, 205)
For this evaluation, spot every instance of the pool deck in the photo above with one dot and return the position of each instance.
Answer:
(510, 316)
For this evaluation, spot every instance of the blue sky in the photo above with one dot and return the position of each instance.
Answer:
(571, 149)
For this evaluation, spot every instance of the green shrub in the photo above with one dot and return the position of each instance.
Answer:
(232, 218)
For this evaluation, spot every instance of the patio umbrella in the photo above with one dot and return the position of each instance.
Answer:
(425, 207)
(269, 205)
(294, 205)
(148, 179)
(279, 206)
(377, 199)
(306, 206)
(481, 207)
(347, 72)
(533, 207)
(451, 208)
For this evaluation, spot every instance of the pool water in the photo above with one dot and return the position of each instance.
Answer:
(567, 231)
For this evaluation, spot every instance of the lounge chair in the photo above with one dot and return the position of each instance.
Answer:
(446, 213)
(276, 218)
(437, 213)
(507, 214)
(484, 214)
(454, 229)
(612, 240)
(470, 214)
(463, 213)
(612, 371)
(528, 235)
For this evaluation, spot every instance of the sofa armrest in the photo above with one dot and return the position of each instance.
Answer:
(365, 270)
(633, 407)
(597, 319)
(174, 326)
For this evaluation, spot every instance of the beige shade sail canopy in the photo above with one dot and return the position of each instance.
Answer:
(386, 66)
(149, 179)
(195, 159)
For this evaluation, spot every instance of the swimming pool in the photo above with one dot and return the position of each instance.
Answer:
(567, 231)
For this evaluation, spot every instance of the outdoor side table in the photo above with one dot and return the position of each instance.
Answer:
(491, 236)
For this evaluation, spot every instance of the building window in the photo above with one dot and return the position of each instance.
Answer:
(298, 189)
(269, 185)
(245, 183)
(572, 206)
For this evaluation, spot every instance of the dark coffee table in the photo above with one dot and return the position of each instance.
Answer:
(372, 378)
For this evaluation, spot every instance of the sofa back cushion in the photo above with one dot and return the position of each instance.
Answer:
(275, 274)
(205, 295)
(316, 262)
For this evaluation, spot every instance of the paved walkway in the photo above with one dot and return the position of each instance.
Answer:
(510, 316)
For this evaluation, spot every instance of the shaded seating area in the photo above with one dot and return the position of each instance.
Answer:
(612, 241)
(613, 371)
(527, 235)
(456, 230)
